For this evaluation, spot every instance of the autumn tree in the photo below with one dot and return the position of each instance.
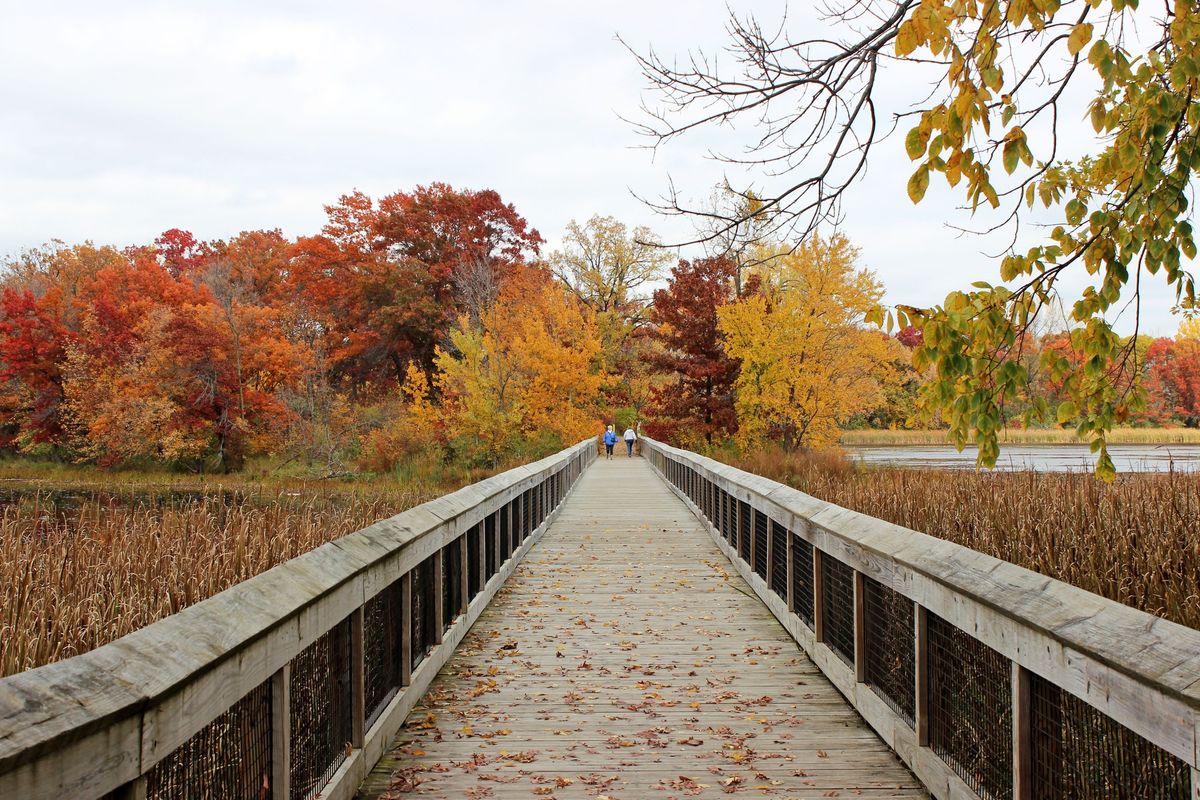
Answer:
(997, 87)
(694, 401)
(528, 371)
(605, 264)
(609, 267)
(387, 279)
(1174, 379)
(39, 320)
(807, 362)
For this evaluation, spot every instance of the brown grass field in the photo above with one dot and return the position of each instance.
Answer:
(1136, 540)
(72, 580)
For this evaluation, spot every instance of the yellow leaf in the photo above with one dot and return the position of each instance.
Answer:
(1081, 34)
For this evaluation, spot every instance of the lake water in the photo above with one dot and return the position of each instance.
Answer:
(1042, 458)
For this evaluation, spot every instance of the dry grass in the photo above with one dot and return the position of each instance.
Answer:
(70, 582)
(882, 438)
(1135, 541)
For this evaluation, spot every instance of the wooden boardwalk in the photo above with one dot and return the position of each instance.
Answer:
(623, 660)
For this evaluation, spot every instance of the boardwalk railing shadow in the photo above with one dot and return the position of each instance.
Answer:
(292, 683)
(987, 679)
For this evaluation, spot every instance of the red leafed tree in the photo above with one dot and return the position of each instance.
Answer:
(696, 401)
(451, 250)
(1173, 379)
(33, 344)
(910, 337)
(179, 252)
(387, 280)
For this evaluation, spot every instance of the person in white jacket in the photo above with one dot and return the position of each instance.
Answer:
(630, 437)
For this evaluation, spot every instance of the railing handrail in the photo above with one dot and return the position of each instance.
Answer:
(1141, 670)
(132, 692)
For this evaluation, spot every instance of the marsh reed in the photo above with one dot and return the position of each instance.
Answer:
(1136, 540)
(73, 579)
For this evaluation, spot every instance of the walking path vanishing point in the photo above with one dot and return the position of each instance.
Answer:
(624, 660)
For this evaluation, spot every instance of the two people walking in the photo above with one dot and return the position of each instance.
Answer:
(610, 441)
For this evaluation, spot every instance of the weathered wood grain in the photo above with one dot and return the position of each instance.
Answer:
(623, 658)
(1141, 670)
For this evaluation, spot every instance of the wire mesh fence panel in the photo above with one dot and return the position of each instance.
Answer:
(761, 543)
(474, 539)
(970, 709)
(1082, 754)
(320, 708)
(230, 758)
(744, 531)
(452, 578)
(889, 636)
(382, 625)
(424, 622)
(489, 540)
(802, 580)
(779, 563)
(837, 605)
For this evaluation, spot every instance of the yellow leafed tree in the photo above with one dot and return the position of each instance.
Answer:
(807, 361)
(529, 370)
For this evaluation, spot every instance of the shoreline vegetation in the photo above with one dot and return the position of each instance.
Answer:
(1132, 540)
(1051, 436)
(88, 555)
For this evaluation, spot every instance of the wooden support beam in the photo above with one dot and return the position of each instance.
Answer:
(481, 532)
(860, 627)
(281, 733)
(1022, 733)
(358, 702)
(439, 596)
(463, 567)
(818, 595)
(134, 790)
(406, 629)
(921, 642)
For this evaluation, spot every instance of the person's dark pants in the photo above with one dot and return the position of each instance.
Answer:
(608, 448)
(629, 447)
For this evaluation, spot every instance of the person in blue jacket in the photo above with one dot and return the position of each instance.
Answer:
(610, 439)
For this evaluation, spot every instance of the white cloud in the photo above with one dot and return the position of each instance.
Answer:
(119, 120)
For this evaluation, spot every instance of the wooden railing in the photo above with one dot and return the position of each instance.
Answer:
(289, 684)
(987, 679)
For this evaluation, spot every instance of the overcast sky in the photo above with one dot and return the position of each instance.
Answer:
(119, 120)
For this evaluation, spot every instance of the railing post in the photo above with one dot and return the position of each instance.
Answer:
(439, 596)
(281, 733)
(818, 595)
(1022, 737)
(358, 703)
(860, 627)
(921, 651)
(406, 631)
(134, 790)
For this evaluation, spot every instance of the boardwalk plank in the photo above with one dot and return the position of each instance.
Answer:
(624, 660)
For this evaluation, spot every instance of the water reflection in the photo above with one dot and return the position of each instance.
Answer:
(1041, 458)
